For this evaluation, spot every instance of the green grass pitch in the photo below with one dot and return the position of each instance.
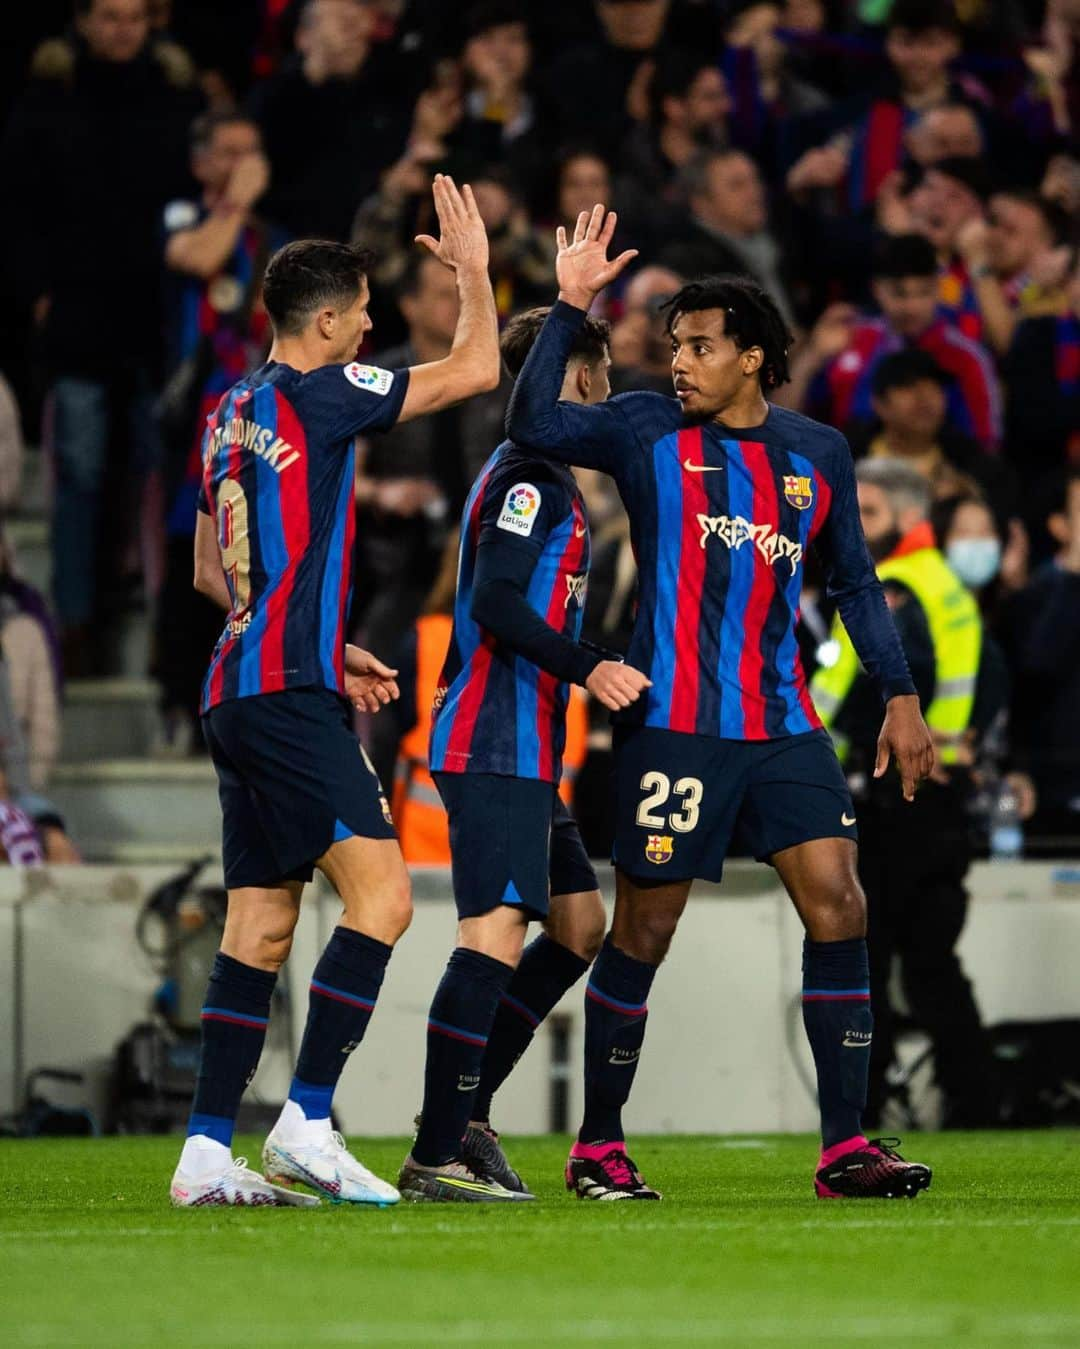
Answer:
(738, 1253)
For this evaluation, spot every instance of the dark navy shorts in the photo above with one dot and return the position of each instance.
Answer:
(682, 801)
(512, 841)
(293, 779)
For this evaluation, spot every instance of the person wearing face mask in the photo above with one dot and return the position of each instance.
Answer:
(912, 861)
(989, 557)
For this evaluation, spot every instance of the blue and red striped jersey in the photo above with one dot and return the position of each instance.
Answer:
(720, 523)
(278, 470)
(842, 393)
(496, 711)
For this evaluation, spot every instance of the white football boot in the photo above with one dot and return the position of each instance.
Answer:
(207, 1174)
(309, 1152)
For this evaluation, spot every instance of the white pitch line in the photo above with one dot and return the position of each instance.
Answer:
(399, 1229)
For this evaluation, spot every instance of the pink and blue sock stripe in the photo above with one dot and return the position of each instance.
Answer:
(615, 1004)
(456, 1032)
(342, 995)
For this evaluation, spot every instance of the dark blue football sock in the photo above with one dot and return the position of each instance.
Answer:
(615, 1014)
(344, 989)
(459, 1024)
(545, 972)
(234, 1017)
(836, 1014)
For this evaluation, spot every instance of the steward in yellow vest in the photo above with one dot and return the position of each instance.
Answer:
(956, 637)
(913, 856)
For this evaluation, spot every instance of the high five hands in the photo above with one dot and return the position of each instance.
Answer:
(582, 266)
(463, 241)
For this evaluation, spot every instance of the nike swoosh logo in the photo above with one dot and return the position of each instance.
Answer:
(702, 468)
(579, 533)
(856, 1044)
(849, 820)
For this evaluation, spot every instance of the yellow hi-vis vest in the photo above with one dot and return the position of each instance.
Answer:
(956, 631)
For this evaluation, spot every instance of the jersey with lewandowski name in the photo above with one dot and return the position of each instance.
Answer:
(278, 470)
(495, 710)
(720, 522)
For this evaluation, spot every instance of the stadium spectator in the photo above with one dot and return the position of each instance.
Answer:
(988, 552)
(388, 219)
(689, 106)
(831, 376)
(216, 247)
(1016, 261)
(947, 207)
(728, 229)
(98, 137)
(1043, 633)
(499, 122)
(769, 93)
(640, 342)
(331, 120)
(922, 39)
(609, 73)
(1041, 371)
(521, 267)
(909, 399)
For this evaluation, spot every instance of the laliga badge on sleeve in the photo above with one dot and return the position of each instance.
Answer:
(369, 377)
(519, 511)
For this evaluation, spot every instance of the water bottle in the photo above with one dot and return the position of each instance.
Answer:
(1006, 830)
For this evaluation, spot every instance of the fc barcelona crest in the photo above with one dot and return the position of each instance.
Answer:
(659, 848)
(798, 492)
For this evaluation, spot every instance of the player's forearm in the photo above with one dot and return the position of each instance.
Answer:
(873, 634)
(475, 350)
(501, 609)
(203, 251)
(473, 364)
(534, 416)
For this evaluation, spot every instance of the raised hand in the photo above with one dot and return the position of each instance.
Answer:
(463, 241)
(582, 267)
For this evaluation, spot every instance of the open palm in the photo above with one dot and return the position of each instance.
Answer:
(582, 266)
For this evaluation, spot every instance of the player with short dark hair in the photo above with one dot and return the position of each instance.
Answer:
(497, 737)
(273, 547)
(726, 494)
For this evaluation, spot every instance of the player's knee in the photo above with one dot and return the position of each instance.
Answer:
(399, 909)
(265, 946)
(841, 914)
(579, 925)
(647, 936)
(591, 937)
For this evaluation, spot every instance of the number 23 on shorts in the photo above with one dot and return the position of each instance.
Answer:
(659, 789)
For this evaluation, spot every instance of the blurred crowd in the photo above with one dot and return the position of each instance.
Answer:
(903, 175)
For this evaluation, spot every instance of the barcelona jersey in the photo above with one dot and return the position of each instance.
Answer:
(278, 470)
(721, 522)
(495, 710)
